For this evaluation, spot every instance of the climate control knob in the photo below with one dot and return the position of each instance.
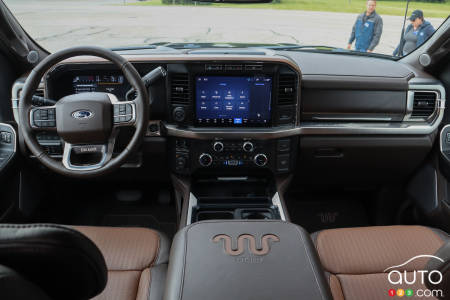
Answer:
(260, 160)
(218, 146)
(205, 159)
(248, 146)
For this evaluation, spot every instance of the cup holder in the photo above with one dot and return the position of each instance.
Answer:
(214, 215)
(256, 214)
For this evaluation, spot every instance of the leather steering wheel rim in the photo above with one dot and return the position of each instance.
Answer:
(32, 83)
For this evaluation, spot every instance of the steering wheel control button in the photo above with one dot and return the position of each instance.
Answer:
(205, 160)
(5, 137)
(260, 160)
(122, 113)
(44, 117)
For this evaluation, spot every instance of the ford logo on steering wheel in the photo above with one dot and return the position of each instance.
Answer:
(82, 114)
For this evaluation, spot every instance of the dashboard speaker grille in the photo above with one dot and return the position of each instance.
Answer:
(180, 92)
(287, 89)
(424, 105)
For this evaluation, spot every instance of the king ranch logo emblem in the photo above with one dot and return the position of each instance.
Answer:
(414, 278)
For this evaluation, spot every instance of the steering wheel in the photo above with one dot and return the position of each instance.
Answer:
(87, 123)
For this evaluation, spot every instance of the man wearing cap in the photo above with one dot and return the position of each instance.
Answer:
(367, 29)
(415, 34)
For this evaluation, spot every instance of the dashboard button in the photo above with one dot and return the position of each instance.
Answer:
(284, 145)
(283, 161)
(180, 162)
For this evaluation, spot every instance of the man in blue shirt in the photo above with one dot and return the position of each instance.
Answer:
(367, 29)
(415, 34)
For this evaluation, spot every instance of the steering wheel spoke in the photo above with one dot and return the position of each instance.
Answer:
(87, 157)
(43, 118)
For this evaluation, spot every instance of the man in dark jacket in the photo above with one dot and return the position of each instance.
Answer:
(415, 34)
(367, 29)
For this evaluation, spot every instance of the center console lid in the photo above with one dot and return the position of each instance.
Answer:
(244, 260)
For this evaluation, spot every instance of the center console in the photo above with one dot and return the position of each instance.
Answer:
(251, 260)
(232, 176)
(232, 97)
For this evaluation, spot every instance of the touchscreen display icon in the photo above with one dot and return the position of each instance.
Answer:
(237, 121)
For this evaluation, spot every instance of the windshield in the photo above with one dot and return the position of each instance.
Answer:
(353, 26)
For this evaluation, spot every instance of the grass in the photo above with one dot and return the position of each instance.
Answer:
(396, 8)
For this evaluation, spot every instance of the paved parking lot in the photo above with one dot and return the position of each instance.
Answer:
(65, 23)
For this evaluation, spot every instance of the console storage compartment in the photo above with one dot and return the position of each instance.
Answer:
(248, 260)
(238, 198)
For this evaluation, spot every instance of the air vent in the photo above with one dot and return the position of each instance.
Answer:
(424, 105)
(180, 93)
(286, 89)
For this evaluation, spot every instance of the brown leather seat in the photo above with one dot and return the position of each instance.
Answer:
(355, 259)
(136, 259)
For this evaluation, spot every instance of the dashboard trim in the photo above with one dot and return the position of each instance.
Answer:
(308, 128)
(333, 127)
(188, 58)
(322, 127)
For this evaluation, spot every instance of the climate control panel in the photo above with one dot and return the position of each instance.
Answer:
(276, 155)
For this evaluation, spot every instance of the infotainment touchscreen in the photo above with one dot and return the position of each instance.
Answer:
(233, 100)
